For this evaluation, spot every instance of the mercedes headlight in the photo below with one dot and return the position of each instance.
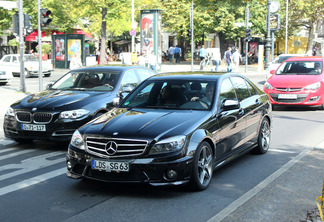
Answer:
(10, 112)
(168, 145)
(268, 86)
(313, 86)
(77, 140)
(74, 114)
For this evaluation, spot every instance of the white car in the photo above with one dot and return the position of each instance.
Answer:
(12, 62)
(278, 60)
(5, 76)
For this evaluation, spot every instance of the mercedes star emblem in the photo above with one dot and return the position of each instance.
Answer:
(111, 148)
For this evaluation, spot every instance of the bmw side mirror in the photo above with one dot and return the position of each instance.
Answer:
(126, 89)
(272, 72)
(49, 86)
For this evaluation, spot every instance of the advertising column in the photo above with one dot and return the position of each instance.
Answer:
(151, 39)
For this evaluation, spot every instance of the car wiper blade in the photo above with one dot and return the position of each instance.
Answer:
(161, 107)
(77, 89)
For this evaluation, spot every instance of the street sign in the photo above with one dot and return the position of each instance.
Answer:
(8, 4)
(134, 24)
(240, 24)
(132, 32)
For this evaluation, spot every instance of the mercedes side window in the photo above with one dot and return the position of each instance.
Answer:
(241, 88)
(226, 91)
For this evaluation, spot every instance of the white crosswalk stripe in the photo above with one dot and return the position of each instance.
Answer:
(31, 181)
(31, 164)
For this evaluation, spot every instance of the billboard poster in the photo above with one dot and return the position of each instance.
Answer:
(147, 33)
(74, 46)
(59, 50)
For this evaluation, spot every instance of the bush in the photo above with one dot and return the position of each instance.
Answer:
(46, 48)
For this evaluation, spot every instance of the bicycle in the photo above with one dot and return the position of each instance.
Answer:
(206, 62)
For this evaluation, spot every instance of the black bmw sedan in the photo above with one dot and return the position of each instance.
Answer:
(73, 100)
(173, 129)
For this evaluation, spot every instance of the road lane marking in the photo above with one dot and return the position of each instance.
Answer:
(7, 149)
(280, 151)
(31, 181)
(248, 195)
(5, 142)
(16, 154)
(31, 164)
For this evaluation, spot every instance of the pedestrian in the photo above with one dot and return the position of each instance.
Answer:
(229, 59)
(215, 58)
(75, 61)
(152, 61)
(171, 53)
(97, 54)
(141, 60)
(177, 52)
(202, 53)
(236, 59)
(243, 57)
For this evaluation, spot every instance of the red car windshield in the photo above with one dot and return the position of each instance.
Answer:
(300, 68)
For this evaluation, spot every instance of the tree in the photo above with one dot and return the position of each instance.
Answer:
(307, 14)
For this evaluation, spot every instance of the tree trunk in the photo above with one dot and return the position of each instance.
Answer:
(309, 50)
(103, 37)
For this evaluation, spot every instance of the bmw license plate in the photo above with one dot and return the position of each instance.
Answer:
(33, 127)
(110, 166)
(287, 96)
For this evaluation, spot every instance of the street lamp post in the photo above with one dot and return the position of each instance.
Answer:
(268, 39)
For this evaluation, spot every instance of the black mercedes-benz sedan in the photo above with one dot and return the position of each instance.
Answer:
(173, 129)
(73, 100)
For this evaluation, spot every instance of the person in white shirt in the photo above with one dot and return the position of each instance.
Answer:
(75, 61)
(141, 60)
(236, 59)
(171, 53)
(152, 61)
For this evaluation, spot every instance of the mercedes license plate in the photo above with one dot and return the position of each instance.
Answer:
(33, 127)
(110, 166)
(287, 96)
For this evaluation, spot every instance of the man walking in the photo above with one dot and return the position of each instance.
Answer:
(171, 53)
(229, 59)
(177, 52)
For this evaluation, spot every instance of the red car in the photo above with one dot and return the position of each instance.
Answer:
(297, 81)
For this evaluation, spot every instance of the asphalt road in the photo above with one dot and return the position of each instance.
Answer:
(33, 185)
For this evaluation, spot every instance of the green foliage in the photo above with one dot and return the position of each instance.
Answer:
(5, 20)
(46, 48)
(13, 42)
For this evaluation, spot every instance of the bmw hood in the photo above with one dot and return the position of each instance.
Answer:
(56, 100)
(145, 124)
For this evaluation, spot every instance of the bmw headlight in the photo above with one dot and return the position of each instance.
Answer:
(77, 140)
(10, 112)
(313, 86)
(168, 145)
(268, 86)
(74, 114)
(2, 72)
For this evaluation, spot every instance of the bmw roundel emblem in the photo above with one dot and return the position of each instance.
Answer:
(111, 148)
(34, 109)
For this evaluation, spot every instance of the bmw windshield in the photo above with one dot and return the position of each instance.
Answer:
(94, 81)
